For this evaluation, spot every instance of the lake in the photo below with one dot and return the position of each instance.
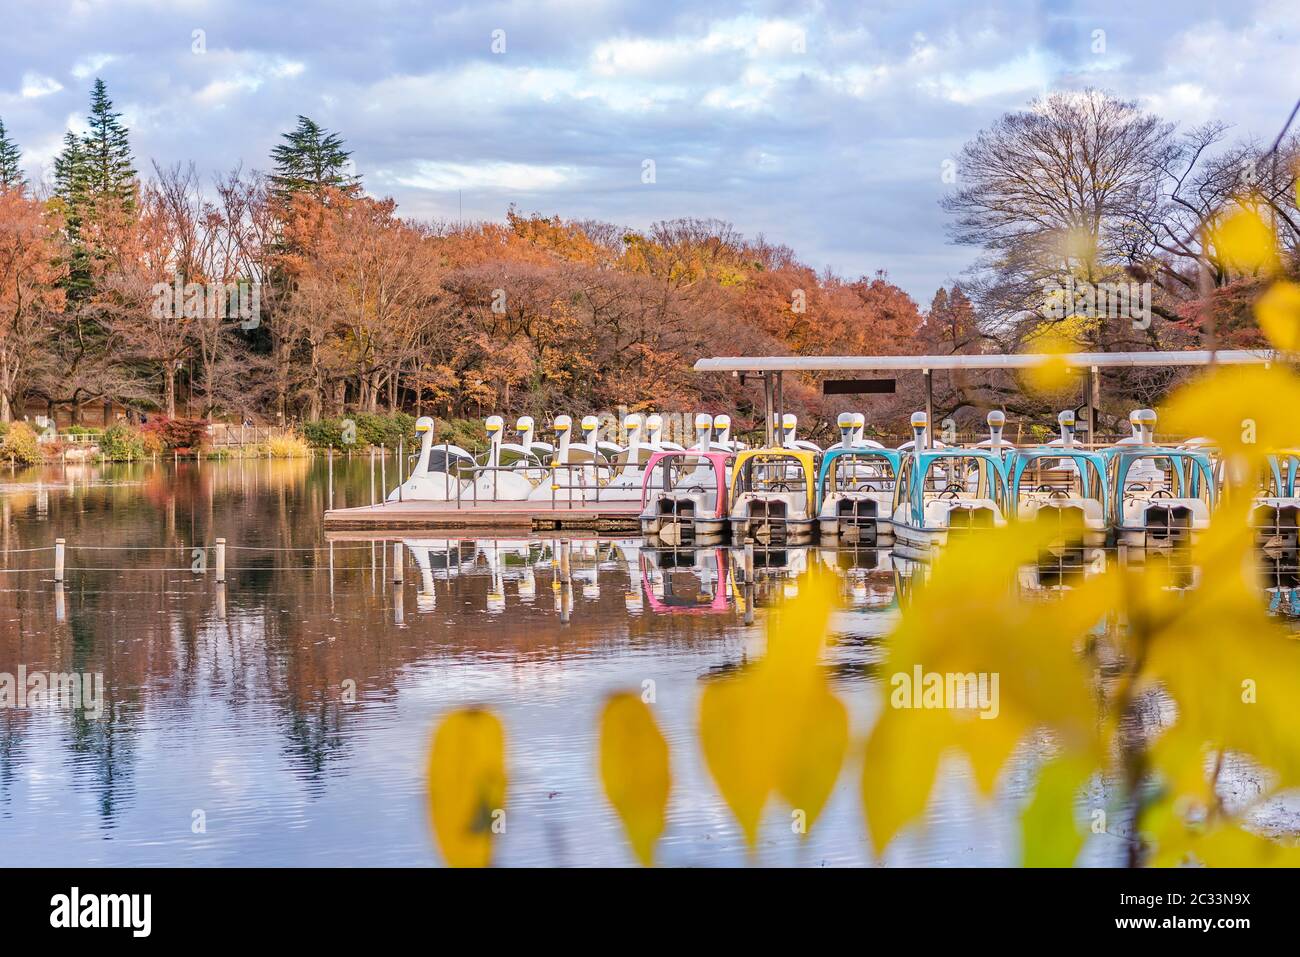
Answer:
(231, 734)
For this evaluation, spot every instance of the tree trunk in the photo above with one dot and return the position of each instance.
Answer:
(170, 394)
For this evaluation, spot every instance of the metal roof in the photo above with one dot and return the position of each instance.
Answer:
(1078, 360)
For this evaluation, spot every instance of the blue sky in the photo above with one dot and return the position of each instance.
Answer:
(824, 126)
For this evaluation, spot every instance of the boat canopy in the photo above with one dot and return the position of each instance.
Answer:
(830, 473)
(771, 468)
(1090, 467)
(1190, 473)
(679, 469)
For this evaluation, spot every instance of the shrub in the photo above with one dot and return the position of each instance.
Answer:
(19, 444)
(179, 434)
(469, 434)
(366, 430)
(122, 443)
(288, 446)
(385, 429)
(324, 433)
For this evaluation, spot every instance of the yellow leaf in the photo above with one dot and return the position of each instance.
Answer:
(967, 630)
(1244, 241)
(1225, 844)
(1278, 312)
(812, 763)
(898, 772)
(1247, 410)
(467, 785)
(1053, 375)
(634, 769)
(736, 750)
(1049, 832)
(778, 726)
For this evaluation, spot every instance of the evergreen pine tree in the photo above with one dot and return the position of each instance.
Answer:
(70, 174)
(106, 151)
(311, 158)
(11, 173)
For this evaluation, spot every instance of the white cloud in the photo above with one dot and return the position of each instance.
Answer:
(523, 177)
(89, 66)
(35, 85)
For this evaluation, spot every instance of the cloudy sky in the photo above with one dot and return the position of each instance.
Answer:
(824, 126)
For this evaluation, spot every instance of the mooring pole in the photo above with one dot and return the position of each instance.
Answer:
(383, 472)
(747, 567)
(565, 551)
(372, 476)
(58, 560)
(329, 497)
(397, 563)
(221, 561)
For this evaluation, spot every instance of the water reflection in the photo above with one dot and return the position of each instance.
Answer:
(293, 705)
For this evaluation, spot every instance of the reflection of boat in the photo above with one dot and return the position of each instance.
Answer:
(944, 491)
(855, 494)
(709, 568)
(1276, 511)
(772, 496)
(684, 497)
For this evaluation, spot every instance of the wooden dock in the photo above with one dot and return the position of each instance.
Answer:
(489, 517)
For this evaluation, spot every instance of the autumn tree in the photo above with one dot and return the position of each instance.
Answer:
(30, 296)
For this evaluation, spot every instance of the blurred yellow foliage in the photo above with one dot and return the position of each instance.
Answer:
(467, 785)
(778, 727)
(634, 769)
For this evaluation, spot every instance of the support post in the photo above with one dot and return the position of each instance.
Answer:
(768, 410)
(929, 408)
(58, 560)
(1094, 404)
(398, 563)
(747, 566)
(780, 407)
(221, 561)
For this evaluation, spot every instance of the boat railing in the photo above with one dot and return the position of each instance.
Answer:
(591, 489)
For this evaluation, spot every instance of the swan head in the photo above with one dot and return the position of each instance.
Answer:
(495, 424)
(633, 421)
(1066, 419)
(423, 424)
(589, 425)
(524, 423)
(562, 423)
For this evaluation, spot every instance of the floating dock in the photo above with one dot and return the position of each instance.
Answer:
(494, 516)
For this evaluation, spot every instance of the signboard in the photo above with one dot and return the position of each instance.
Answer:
(858, 387)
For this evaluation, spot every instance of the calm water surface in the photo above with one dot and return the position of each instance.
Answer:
(230, 707)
